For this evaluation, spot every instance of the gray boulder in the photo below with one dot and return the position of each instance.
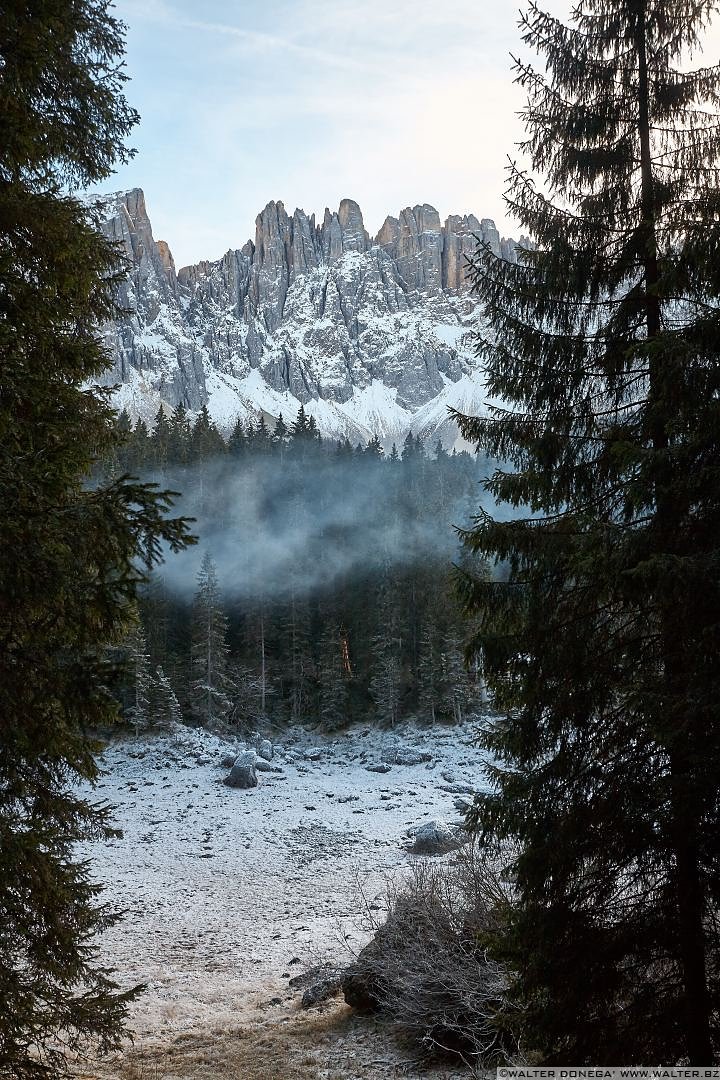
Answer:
(265, 750)
(363, 986)
(324, 986)
(266, 766)
(406, 755)
(367, 980)
(305, 978)
(243, 774)
(318, 984)
(457, 789)
(434, 838)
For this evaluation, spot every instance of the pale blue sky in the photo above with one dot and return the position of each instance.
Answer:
(389, 102)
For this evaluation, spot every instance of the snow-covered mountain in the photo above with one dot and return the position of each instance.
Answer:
(370, 334)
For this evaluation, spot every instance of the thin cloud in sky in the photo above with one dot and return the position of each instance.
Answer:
(310, 101)
(267, 43)
(254, 41)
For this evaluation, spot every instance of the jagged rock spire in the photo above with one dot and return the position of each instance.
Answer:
(320, 313)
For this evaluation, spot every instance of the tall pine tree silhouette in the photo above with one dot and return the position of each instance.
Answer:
(601, 646)
(70, 553)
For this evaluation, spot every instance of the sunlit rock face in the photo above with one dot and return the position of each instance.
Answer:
(370, 334)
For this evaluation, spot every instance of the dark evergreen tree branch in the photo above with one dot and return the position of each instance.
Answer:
(604, 354)
(71, 555)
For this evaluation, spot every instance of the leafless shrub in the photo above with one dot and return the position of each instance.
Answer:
(427, 970)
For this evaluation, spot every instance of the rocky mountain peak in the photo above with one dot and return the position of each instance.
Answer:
(368, 333)
(354, 237)
(166, 258)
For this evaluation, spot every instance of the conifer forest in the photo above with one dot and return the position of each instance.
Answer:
(318, 589)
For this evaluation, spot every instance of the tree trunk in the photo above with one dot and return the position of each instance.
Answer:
(262, 664)
(209, 669)
(689, 890)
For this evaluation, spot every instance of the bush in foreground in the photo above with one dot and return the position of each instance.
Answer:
(426, 970)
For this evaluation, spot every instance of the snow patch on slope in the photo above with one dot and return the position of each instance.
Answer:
(376, 409)
(450, 333)
(231, 398)
(468, 395)
(139, 396)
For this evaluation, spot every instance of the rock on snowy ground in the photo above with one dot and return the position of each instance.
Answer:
(435, 838)
(231, 892)
(242, 772)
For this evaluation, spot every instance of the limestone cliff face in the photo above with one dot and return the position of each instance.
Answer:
(366, 332)
(163, 358)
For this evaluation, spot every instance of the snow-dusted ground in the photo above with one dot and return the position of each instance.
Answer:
(229, 893)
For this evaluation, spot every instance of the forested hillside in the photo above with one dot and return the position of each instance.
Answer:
(319, 587)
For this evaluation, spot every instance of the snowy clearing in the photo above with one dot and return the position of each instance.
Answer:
(230, 893)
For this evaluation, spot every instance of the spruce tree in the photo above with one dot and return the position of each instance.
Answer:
(123, 426)
(431, 674)
(408, 450)
(374, 448)
(179, 433)
(161, 439)
(386, 662)
(280, 432)
(258, 438)
(69, 552)
(456, 682)
(260, 656)
(333, 679)
(137, 454)
(138, 710)
(153, 603)
(164, 705)
(301, 425)
(444, 689)
(237, 443)
(210, 685)
(312, 430)
(299, 672)
(600, 641)
(205, 439)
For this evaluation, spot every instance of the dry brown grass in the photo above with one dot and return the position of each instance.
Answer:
(328, 1044)
(289, 1046)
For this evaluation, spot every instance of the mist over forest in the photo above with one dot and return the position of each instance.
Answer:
(280, 525)
(328, 569)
